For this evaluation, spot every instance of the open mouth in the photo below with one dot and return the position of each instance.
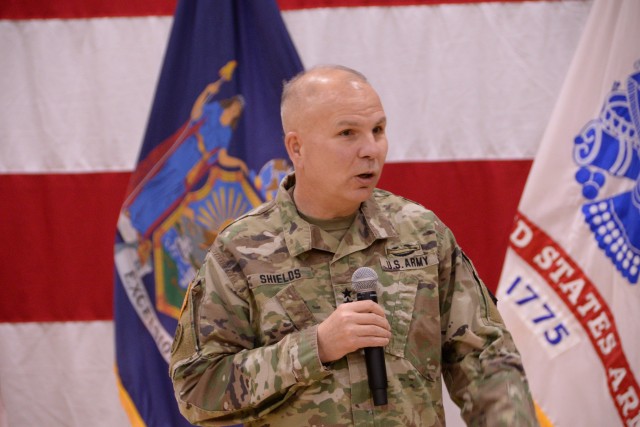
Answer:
(368, 175)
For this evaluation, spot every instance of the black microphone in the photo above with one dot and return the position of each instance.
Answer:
(364, 281)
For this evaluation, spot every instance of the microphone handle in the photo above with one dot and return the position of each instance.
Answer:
(374, 358)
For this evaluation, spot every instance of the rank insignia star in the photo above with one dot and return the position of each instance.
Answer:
(346, 295)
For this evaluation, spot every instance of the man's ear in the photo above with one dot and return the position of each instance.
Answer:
(293, 145)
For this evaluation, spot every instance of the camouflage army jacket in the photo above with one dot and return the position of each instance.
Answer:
(245, 350)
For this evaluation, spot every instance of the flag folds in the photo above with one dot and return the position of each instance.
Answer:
(212, 151)
(468, 87)
(569, 288)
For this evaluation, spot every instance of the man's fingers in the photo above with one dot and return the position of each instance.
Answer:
(362, 307)
(373, 331)
(365, 306)
(372, 319)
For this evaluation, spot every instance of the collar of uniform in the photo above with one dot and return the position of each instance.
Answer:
(371, 224)
(297, 231)
(377, 220)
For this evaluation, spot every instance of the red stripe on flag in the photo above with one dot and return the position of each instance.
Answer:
(74, 9)
(587, 305)
(480, 209)
(58, 230)
(57, 251)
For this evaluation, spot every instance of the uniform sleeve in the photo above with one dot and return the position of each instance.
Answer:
(481, 366)
(220, 374)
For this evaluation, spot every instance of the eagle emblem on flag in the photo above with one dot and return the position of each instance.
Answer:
(607, 152)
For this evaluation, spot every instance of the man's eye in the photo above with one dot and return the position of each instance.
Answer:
(378, 129)
(346, 132)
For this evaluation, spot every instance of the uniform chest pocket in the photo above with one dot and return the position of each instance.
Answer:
(280, 310)
(401, 280)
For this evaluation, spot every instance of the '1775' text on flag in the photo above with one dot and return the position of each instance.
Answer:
(569, 289)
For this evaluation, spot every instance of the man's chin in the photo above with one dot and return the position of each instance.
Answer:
(363, 193)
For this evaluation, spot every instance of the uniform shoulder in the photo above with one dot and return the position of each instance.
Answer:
(408, 211)
(391, 202)
(256, 220)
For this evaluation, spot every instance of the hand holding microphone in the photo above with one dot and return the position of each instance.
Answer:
(356, 325)
(365, 281)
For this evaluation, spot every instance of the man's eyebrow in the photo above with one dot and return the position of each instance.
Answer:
(381, 121)
(347, 123)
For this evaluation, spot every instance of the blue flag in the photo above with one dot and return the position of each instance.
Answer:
(212, 151)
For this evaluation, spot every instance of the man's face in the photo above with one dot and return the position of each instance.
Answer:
(343, 147)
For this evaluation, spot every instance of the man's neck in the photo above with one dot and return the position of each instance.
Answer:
(313, 207)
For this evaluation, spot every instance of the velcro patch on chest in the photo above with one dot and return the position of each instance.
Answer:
(411, 262)
(404, 250)
(278, 277)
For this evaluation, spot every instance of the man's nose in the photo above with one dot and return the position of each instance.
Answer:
(371, 145)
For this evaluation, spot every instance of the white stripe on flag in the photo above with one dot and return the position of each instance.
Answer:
(458, 82)
(478, 90)
(59, 374)
(77, 93)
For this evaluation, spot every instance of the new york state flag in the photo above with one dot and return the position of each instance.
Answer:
(569, 290)
(212, 151)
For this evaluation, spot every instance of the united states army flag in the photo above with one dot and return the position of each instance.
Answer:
(569, 290)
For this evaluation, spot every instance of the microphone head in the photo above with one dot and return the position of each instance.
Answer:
(364, 279)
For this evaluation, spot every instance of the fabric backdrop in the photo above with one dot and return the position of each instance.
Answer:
(468, 88)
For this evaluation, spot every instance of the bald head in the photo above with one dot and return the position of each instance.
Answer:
(316, 86)
(334, 133)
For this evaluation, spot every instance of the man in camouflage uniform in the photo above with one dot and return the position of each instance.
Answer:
(270, 335)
